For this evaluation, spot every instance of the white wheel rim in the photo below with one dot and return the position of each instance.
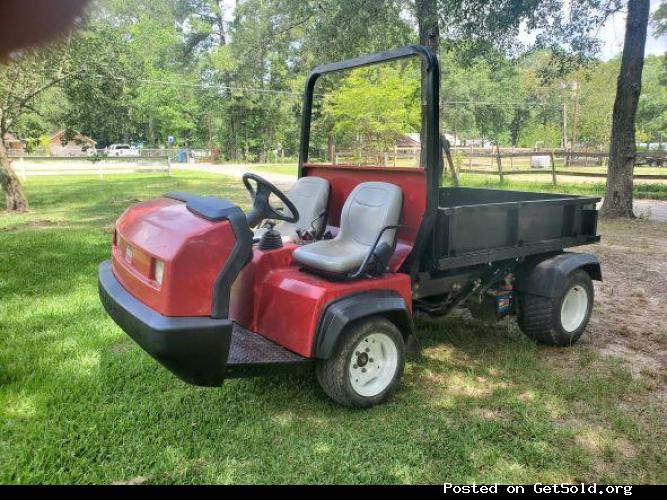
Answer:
(373, 364)
(574, 308)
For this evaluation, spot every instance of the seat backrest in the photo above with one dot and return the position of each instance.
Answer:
(310, 196)
(370, 207)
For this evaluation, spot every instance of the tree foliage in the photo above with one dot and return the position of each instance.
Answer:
(230, 75)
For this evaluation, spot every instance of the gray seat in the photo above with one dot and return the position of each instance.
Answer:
(370, 207)
(310, 196)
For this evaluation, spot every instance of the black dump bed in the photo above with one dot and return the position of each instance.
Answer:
(476, 226)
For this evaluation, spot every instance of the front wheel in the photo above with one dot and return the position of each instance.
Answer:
(558, 321)
(366, 367)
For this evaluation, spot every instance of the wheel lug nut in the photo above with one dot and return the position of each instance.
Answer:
(368, 349)
(363, 370)
(370, 360)
(357, 353)
(355, 366)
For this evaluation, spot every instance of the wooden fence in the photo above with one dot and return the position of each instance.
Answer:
(509, 161)
(559, 163)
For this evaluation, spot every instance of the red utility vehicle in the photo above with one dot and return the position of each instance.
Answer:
(333, 286)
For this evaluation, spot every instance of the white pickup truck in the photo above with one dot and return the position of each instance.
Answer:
(122, 150)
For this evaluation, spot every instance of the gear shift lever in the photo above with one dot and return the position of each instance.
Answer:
(271, 239)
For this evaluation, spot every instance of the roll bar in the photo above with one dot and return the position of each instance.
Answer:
(433, 157)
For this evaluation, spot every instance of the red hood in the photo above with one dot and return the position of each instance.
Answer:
(193, 249)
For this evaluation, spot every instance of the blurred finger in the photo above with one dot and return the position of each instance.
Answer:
(29, 23)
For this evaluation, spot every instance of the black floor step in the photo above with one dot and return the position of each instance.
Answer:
(251, 354)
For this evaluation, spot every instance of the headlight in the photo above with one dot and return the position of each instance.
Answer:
(158, 271)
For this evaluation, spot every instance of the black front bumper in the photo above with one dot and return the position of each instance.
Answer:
(194, 348)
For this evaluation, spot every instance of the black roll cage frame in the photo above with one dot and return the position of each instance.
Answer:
(430, 120)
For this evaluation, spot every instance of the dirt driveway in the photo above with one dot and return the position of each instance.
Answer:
(630, 315)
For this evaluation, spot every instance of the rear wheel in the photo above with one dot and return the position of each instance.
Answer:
(366, 367)
(558, 321)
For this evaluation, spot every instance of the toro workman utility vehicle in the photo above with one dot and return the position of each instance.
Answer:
(356, 249)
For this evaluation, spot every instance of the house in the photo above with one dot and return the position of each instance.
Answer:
(478, 143)
(408, 141)
(412, 140)
(12, 144)
(59, 145)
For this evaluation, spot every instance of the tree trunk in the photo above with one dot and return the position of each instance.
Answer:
(14, 197)
(426, 12)
(151, 132)
(618, 195)
(330, 146)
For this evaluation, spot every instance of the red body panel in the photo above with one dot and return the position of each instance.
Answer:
(271, 295)
(275, 298)
(193, 250)
(344, 178)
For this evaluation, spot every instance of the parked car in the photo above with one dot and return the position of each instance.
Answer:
(122, 150)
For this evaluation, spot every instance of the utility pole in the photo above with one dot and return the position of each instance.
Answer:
(564, 145)
(575, 88)
(210, 132)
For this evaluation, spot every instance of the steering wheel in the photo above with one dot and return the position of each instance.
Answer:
(261, 209)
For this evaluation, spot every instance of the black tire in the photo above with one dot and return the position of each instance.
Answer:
(333, 374)
(540, 317)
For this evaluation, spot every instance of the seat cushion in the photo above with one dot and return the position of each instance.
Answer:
(332, 256)
(310, 196)
(370, 207)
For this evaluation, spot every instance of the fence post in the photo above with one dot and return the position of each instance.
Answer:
(470, 157)
(511, 158)
(99, 170)
(444, 144)
(169, 166)
(500, 164)
(553, 167)
(395, 154)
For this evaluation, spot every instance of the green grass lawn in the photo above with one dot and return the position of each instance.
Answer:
(80, 402)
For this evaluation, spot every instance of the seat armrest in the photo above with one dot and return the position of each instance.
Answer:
(379, 251)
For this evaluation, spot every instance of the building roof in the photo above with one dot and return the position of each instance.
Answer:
(78, 137)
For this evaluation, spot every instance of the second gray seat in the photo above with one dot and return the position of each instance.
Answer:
(310, 196)
(370, 207)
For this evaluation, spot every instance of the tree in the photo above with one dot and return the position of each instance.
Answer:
(428, 26)
(652, 110)
(618, 195)
(21, 84)
(373, 108)
(100, 93)
(659, 20)
(596, 93)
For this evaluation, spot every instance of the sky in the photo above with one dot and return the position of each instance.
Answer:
(612, 33)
